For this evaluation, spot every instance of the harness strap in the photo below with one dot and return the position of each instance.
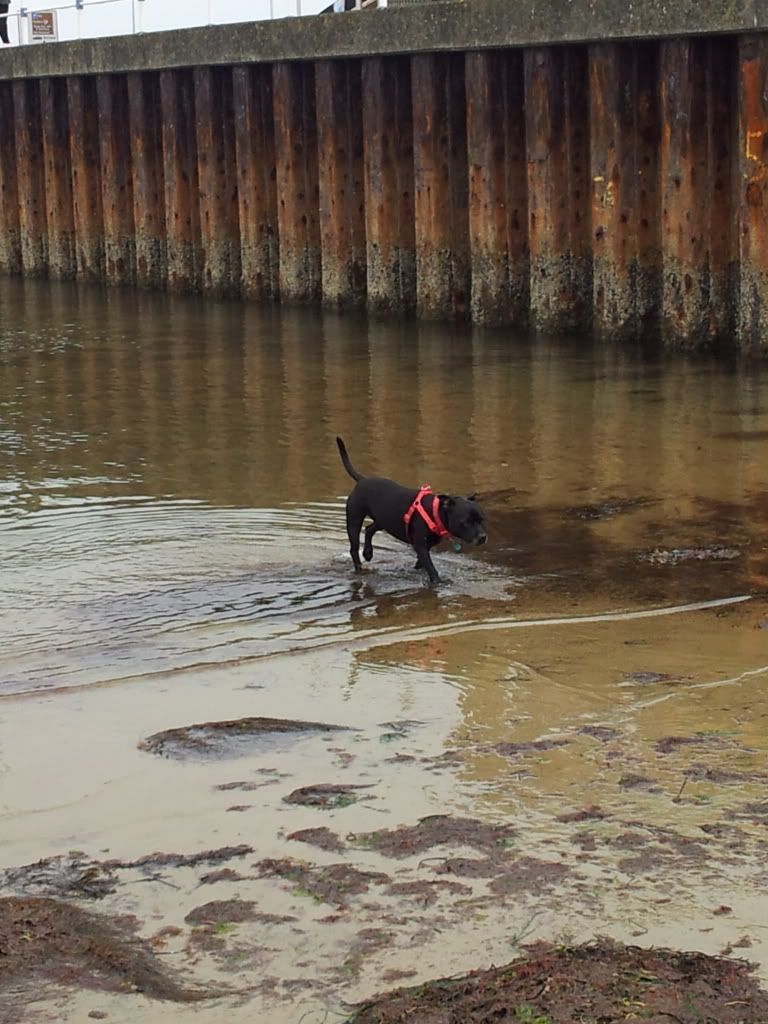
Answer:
(434, 522)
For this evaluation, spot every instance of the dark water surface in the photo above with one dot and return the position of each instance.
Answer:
(171, 494)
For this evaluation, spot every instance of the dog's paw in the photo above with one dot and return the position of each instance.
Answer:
(367, 554)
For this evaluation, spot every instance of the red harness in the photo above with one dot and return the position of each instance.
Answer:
(434, 522)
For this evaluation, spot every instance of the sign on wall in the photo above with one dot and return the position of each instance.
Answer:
(43, 26)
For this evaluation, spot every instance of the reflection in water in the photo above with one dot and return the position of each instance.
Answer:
(171, 492)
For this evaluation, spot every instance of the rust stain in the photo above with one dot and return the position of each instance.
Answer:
(389, 184)
(148, 182)
(116, 179)
(297, 182)
(86, 177)
(30, 172)
(217, 181)
(180, 178)
(57, 178)
(10, 244)
(754, 145)
(498, 188)
(256, 180)
(441, 186)
(340, 170)
(754, 194)
(557, 140)
(752, 313)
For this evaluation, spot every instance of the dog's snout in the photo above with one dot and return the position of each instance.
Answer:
(482, 538)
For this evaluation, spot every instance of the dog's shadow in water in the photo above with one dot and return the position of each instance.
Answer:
(370, 606)
(393, 589)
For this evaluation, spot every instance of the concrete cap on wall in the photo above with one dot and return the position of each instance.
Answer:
(453, 25)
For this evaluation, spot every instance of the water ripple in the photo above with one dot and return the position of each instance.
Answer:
(96, 590)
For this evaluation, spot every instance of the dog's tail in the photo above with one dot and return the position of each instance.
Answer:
(345, 459)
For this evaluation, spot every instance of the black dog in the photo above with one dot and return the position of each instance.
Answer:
(418, 517)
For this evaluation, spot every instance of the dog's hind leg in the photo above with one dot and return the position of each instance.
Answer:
(368, 545)
(355, 518)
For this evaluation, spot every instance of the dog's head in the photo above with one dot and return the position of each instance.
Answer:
(464, 518)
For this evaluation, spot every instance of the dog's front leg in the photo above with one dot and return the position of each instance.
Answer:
(424, 561)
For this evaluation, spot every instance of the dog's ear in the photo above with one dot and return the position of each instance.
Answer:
(447, 500)
(472, 497)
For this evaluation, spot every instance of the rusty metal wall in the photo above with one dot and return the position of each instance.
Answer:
(616, 187)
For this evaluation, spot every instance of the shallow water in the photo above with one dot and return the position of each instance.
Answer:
(173, 551)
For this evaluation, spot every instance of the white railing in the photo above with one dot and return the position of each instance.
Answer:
(88, 19)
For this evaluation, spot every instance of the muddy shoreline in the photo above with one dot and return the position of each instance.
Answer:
(329, 908)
